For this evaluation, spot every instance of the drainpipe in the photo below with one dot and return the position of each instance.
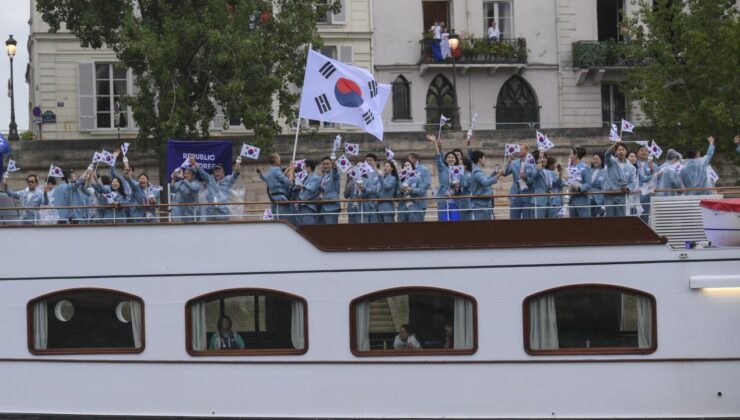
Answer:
(559, 62)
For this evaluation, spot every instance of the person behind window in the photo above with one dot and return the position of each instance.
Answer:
(405, 339)
(31, 198)
(225, 338)
(449, 336)
(493, 33)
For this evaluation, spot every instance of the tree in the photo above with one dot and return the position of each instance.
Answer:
(688, 82)
(190, 56)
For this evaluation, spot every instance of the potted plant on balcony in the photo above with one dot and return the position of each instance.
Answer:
(480, 49)
(468, 51)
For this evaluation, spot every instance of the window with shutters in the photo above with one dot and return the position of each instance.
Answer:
(401, 99)
(111, 85)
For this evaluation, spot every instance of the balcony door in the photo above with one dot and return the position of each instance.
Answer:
(435, 11)
(609, 18)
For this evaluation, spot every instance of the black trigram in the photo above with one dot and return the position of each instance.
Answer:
(322, 103)
(368, 117)
(373, 86)
(327, 69)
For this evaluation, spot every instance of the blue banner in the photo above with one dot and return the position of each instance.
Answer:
(206, 153)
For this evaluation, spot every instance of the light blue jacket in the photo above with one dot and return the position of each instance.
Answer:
(598, 177)
(310, 191)
(330, 191)
(482, 185)
(669, 180)
(388, 189)
(619, 175)
(424, 182)
(109, 214)
(218, 191)
(278, 185)
(578, 198)
(29, 199)
(513, 168)
(443, 175)
(694, 174)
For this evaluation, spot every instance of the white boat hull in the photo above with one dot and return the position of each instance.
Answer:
(721, 227)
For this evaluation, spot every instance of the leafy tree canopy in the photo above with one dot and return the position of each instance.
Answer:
(188, 56)
(689, 85)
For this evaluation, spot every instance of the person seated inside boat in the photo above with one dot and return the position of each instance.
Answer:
(405, 339)
(449, 336)
(225, 338)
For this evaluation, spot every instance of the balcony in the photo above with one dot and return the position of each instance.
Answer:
(478, 53)
(597, 58)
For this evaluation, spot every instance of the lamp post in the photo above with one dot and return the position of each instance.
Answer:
(10, 47)
(454, 43)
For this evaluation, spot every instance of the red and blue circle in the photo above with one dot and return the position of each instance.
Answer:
(348, 94)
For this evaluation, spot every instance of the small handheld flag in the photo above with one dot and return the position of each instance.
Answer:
(456, 171)
(655, 150)
(186, 164)
(11, 166)
(108, 158)
(512, 149)
(301, 176)
(267, 215)
(97, 157)
(124, 148)
(337, 143)
(613, 133)
(561, 213)
(352, 149)
(55, 172)
(389, 154)
(156, 189)
(530, 159)
(712, 175)
(299, 165)
(249, 151)
(443, 120)
(344, 163)
(627, 126)
(543, 143)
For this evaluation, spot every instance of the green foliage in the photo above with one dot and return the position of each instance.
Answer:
(590, 54)
(26, 135)
(191, 56)
(689, 84)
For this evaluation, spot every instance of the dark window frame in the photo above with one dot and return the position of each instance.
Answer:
(416, 353)
(242, 291)
(523, 105)
(595, 350)
(439, 90)
(71, 350)
(401, 82)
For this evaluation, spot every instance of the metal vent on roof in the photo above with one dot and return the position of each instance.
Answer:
(679, 218)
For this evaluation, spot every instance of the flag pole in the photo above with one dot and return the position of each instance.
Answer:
(298, 123)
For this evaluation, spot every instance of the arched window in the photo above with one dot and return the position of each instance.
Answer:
(401, 99)
(516, 106)
(440, 100)
(246, 322)
(587, 319)
(83, 321)
(413, 321)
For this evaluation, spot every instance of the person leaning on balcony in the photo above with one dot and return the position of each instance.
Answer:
(620, 177)
(30, 197)
(330, 180)
(493, 33)
(694, 174)
(279, 183)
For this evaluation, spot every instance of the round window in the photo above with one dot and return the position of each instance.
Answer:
(123, 311)
(64, 310)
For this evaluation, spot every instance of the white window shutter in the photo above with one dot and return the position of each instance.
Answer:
(345, 54)
(134, 90)
(340, 17)
(86, 95)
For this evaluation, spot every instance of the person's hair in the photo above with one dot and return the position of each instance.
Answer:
(403, 162)
(372, 155)
(457, 162)
(579, 151)
(144, 175)
(406, 327)
(105, 179)
(631, 152)
(415, 156)
(52, 181)
(536, 155)
(622, 145)
(311, 164)
(226, 317)
(121, 190)
(220, 166)
(394, 172)
(550, 163)
(468, 164)
(32, 176)
(691, 154)
(641, 146)
(476, 156)
(131, 167)
(325, 158)
(601, 156)
(273, 158)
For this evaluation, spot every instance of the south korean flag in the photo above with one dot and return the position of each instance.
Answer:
(340, 93)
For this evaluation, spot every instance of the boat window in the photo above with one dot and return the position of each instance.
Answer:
(83, 321)
(247, 322)
(418, 321)
(590, 319)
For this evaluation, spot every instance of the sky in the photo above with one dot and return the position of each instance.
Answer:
(14, 20)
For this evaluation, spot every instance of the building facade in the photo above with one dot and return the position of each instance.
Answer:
(527, 78)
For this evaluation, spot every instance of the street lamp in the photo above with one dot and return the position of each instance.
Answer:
(454, 43)
(10, 47)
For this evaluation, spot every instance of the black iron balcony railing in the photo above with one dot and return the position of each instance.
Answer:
(606, 54)
(478, 51)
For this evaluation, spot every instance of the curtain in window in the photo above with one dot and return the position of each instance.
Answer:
(463, 328)
(644, 322)
(40, 326)
(198, 318)
(543, 325)
(297, 336)
(136, 322)
(362, 318)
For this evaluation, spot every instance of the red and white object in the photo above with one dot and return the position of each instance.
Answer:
(722, 221)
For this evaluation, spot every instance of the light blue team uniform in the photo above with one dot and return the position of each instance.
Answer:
(555, 185)
(410, 210)
(107, 214)
(446, 207)
(330, 208)
(644, 174)
(74, 195)
(278, 187)
(186, 192)
(388, 190)
(694, 174)
(309, 192)
(464, 204)
(598, 177)
(362, 211)
(218, 192)
(669, 180)
(29, 200)
(542, 183)
(580, 202)
(425, 179)
(618, 175)
(482, 185)
(372, 191)
(520, 206)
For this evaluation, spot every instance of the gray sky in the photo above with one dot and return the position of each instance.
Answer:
(14, 20)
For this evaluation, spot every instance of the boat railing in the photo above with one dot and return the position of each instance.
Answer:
(438, 208)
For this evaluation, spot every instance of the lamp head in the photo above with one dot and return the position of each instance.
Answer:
(10, 46)
(454, 40)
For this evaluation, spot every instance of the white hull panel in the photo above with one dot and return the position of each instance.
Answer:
(722, 227)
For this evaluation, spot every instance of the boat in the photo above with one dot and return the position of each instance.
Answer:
(574, 318)
(722, 221)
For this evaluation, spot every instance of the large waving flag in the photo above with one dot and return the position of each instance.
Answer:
(340, 93)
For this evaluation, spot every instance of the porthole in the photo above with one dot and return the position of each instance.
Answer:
(64, 310)
(123, 311)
